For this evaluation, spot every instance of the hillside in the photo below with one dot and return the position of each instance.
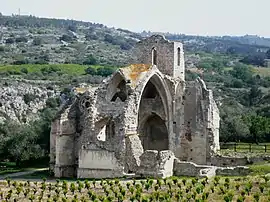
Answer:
(28, 39)
(42, 61)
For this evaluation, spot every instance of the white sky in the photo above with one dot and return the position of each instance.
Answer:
(198, 17)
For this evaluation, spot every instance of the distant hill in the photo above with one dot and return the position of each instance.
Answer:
(223, 44)
(29, 39)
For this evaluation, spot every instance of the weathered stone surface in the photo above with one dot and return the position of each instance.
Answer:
(191, 169)
(64, 171)
(149, 99)
(183, 168)
(224, 161)
(134, 150)
(156, 164)
(200, 134)
(233, 171)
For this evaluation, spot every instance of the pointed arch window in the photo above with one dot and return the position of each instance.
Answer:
(178, 56)
(154, 56)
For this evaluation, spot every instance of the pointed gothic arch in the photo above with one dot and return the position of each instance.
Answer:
(154, 115)
(117, 88)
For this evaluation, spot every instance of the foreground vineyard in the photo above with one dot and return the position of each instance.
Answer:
(252, 188)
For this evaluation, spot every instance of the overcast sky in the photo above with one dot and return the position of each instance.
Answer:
(198, 17)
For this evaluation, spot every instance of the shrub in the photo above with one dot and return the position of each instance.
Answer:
(90, 60)
(66, 38)
(10, 40)
(21, 39)
(37, 41)
(105, 71)
(28, 98)
(24, 70)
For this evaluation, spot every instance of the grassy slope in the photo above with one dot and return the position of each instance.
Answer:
(70, 69)
(262, 71)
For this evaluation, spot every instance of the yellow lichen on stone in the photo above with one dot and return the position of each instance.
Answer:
(137, 69)
(80, 90)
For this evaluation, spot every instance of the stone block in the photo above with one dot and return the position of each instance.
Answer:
(156, 164)
(134, 150)
(98, 160)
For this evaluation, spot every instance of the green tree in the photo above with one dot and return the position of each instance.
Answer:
(19, 142)
(105, 71)
(267, 54)
(234, 129)
(242, 72)
(90, 60)
(259, 127)
(91, 70)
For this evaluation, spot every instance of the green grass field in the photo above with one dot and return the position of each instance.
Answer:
(70, 69)
(11, 167)
(246, 147)
(262, 71)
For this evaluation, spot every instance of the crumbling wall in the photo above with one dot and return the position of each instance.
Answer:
(184, 168)
(156, 164)
(233, 171)
(169, 55)
(134, 150)
(219, 160)
(102, 145)
(95, 162)
(200, 137)
(178, 116)
(53, 133)
(65, 141)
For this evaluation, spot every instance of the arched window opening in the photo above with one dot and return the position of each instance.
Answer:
(106, 130)
(150, 91)
(110, 130)
(155, 134)
(121, 92)
(154, 56)
(178, 56)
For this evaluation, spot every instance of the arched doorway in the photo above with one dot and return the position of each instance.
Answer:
(154, 134)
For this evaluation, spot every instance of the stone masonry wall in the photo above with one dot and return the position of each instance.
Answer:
(64, 140)
(199, 139)
(167, 54)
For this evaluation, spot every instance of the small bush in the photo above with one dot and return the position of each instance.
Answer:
(28, 98)
(24, 70)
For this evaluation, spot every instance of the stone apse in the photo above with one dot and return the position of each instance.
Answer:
(139, 120)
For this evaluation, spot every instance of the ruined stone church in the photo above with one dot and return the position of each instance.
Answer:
(138, 120)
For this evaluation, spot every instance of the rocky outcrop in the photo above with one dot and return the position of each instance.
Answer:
(21, 101)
